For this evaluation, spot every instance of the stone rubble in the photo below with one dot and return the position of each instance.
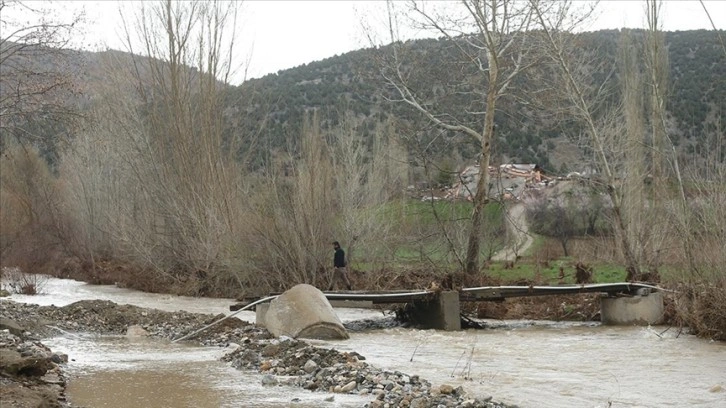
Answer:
(282, 361)
(30, 373)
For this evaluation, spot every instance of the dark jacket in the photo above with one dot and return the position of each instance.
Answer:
(339, 258)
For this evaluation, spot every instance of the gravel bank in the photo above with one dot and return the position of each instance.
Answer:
(281, 360)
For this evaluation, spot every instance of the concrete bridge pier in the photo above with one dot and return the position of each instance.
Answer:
(643, 309)
(260, 313)
(441, 313)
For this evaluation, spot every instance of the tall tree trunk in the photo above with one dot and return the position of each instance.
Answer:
(481, 198)
(657, 61)
(633, 193)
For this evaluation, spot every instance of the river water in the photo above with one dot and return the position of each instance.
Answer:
(530, 364)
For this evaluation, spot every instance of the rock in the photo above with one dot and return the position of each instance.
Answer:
(53, 378)
(11, 362)
(136, 331)
(310, 366)
(329, 399)
(59, 358)
(12, 326)
(348, 387)
(304, 311)
(446, 389)
(420, 402)
(18, 396)
(269, 380)
(4, 293)
(271, 350)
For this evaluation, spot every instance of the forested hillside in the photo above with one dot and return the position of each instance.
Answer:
(267, 114)
(274, 106)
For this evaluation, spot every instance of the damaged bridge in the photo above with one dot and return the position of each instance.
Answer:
(622, 303)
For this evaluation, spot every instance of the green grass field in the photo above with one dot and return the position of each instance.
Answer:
(424, 223)
(422, 245)
(528, 270)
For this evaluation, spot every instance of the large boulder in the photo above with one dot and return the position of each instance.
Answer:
(12, 326)
(13, 363)
(303, 311)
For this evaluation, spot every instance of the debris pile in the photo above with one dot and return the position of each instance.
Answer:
(508, 181)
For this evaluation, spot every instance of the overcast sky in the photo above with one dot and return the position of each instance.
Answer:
(285, 34)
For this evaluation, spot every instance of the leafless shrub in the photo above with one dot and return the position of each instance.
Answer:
(698, 215)
(583, 273)
(702, 308)
(15, 281)
(334, 190)
(153, 182)
(35, 229)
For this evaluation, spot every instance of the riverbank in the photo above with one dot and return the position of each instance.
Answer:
(282, 361)
(31, 374)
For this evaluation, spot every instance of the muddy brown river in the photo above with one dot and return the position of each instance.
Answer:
(530, 364)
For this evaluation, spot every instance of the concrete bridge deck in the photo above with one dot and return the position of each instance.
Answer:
(491, 293)
(483, 293)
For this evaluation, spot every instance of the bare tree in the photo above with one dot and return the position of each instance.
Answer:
(656, 60)
(333, 188)
(36, 74)
(644, 227)
(38, 111)
(295, 223)
(703, 244)
(583, 98)
(491, 44)
(156, 175)
(365, 178)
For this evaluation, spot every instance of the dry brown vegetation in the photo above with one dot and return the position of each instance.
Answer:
(274, 231)
(49, 236)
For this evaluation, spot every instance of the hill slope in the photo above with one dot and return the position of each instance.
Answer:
(349, 89)
(349, 86)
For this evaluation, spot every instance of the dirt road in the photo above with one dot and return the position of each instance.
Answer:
(518, 234)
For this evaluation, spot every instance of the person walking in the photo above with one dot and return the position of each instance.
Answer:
(340, 270)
